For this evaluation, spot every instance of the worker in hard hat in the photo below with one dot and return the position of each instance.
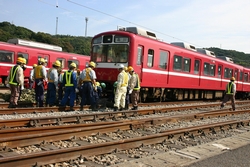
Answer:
(134, 85)
(230, 92)
(15, 81)
(31, 81)
(87, 81)
(39, 76)
(52, 84)
(121, 90)
(70, 87)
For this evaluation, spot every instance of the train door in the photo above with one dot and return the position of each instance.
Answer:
(139, 61)
(197, 72)
(163, 66)
(219, 74)
(236, 76)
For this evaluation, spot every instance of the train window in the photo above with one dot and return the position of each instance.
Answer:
(107, 39)
(230, 74)
(236, 74)
(245, 77)
(6, 56)
(23, 55)
(150, 58)
(197, 66)
(212, 70)
(186, 66)
(97, 40)
(139, 55)
(163, 61)
(121, 39)
(226, 73)
(219, 71)
(206, 68)
(177, 63)
(241, 76)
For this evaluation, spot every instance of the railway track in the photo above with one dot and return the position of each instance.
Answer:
(100, 116)
(107, 133)
(85, 149)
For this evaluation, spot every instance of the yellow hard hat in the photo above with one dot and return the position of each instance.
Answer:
(126, 69)
(57, 63)
(24, 61)
(130, 68)
(232, 79)
(92, 64)
(97, 83)
(20, 60)
(42, 60)
(34, 65)
(73, 65)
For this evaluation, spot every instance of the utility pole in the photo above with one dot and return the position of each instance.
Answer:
(86, 19)
(56, 24)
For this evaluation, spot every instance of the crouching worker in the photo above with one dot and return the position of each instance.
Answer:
(70, 87)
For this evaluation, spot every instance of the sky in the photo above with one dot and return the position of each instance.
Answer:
(223, 24)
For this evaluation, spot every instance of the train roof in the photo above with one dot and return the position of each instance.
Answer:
(34, 44)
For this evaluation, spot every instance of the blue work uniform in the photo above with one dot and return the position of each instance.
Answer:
(87, 90)
(70, 84)
(52, 85)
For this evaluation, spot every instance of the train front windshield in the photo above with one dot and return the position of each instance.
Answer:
(110, 49)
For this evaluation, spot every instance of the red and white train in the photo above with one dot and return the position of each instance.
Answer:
(32, 52)
(166, 71)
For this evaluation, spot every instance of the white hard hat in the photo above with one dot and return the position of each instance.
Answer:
(121, 66)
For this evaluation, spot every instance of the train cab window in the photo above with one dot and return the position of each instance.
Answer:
(206, 68)
(241, 76)
(219, 71)
(186, 66)
(150, 58)
(245, 77)
(6, 56)
(139, 55)
(163, 61)
(212, 70)
(177, 63)
(73, 61)
(196, 66)
(23, 55)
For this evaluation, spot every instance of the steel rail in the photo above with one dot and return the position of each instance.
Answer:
(27, 136)
(97, 116)
(59, 155)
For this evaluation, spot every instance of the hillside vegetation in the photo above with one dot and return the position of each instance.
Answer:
(82, 45)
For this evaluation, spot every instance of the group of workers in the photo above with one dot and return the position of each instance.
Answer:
(84, 84)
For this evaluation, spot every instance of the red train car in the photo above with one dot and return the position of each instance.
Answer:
(167, 71)
(32, 52)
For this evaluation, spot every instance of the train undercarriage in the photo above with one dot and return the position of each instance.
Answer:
(164, 94)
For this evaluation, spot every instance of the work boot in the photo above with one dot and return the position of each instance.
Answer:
(94, 108)
(10, 105)
(135, 108)
(126, 107)
(115, 108)
(121, 109)
(81, 108)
